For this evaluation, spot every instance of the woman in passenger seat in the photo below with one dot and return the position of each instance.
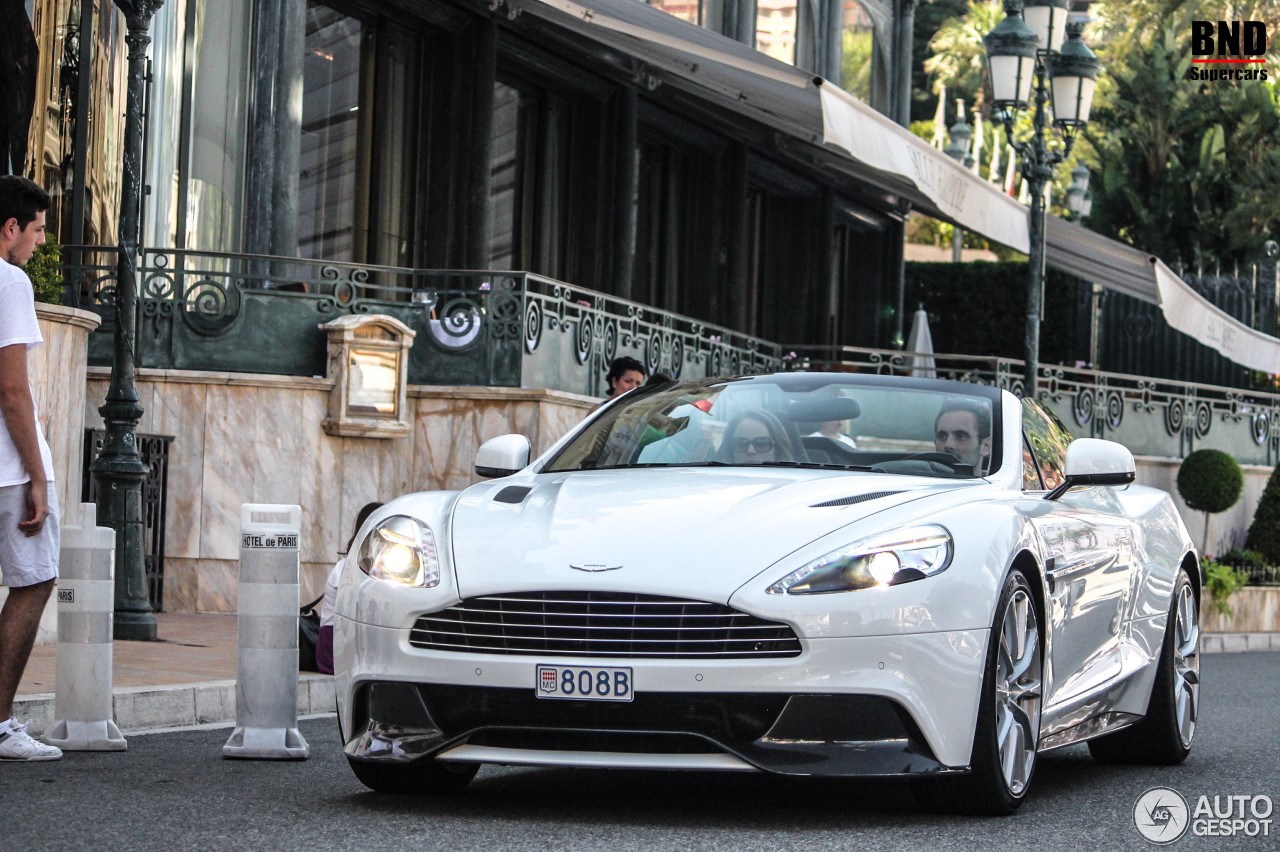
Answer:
(756, 437)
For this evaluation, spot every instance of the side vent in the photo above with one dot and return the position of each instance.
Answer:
(849, 501)
(512, 494)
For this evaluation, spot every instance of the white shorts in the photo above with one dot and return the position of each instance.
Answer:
(27, 560)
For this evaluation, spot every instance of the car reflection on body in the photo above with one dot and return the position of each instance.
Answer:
(670, 587)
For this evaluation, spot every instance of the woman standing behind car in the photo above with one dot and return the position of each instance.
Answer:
(324, 643)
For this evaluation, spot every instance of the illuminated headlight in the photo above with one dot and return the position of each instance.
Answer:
(885, 559)
(401, 550)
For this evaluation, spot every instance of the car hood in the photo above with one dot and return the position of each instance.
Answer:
(667, 531)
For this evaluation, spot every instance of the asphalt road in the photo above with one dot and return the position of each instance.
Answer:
(174, 790)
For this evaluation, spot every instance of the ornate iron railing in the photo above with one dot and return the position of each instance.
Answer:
(1155, 417)
(257, 314)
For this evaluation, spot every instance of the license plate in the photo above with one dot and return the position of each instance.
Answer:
(590, 683)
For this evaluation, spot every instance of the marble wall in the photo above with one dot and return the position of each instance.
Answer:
(57, 375)
(242, 438)
(58, 382)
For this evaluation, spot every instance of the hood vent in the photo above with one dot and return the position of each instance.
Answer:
(512, 494)
(849, 501)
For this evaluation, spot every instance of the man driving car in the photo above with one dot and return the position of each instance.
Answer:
(963, 429)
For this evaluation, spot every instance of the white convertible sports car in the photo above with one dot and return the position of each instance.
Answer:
(800, 573)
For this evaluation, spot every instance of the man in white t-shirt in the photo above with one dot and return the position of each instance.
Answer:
(29, 534)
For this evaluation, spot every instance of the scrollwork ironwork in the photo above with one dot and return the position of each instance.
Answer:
(1082, 405)
(1174, 414)
(1204, 418)
(1260, 427)
(506, 320)
(653, 352)
(533, 325)
(1115, 409)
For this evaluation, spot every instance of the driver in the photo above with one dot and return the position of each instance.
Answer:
(963, 429)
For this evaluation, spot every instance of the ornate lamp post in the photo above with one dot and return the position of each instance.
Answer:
(1079, 201)
(958, 150)
(1025, 54)
(118, 471)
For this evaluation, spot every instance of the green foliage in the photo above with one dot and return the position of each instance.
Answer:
(45, 271)
(930, 16)
(1210, 481)
(1222, 581)
(855, 63)
(970, 305)
(1253, 565)
(1264, 532)
(1185, 168)
(957, 58)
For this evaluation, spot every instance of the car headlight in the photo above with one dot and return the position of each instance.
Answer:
(884, 559)
(401, 550)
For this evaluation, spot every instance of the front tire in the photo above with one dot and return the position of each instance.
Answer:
(1008, 729)
(1163, 737)
(425, 777)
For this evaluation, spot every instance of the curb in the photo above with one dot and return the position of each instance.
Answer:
(143, 708)
(1236, 643)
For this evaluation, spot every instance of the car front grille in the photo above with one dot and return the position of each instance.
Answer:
(597, 624)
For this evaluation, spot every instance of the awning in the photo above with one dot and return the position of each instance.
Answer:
(888, 156)
(1093, 257)
(950, 191)
(1193, 315)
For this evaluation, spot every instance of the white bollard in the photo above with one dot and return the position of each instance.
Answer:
(82, 715)
(267, 677)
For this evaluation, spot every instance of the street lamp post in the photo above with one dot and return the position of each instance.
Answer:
(1026, 56)
(958, 150)
(118, 471)
(1079, 201)
(1079, 206)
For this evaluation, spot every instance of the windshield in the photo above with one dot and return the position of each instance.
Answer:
(811, 420)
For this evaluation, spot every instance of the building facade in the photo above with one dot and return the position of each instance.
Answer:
(457, 134)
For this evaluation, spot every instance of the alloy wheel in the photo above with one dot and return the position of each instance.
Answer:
(1018, 691)
(1186, 664)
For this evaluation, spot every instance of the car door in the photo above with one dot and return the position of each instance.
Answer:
(1089, 553)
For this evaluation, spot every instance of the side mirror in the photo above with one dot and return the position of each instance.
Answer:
(1092, 461)
(502, 456)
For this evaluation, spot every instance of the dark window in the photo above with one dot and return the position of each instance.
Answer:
(531, 181)
(328, 164)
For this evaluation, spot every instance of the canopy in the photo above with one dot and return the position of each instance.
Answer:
(883, 154)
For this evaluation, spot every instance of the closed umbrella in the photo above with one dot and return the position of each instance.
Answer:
(920, 347)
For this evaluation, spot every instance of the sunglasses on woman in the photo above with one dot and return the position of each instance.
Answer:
(760, 445)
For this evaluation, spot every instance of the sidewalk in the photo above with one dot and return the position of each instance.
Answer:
(189, 677)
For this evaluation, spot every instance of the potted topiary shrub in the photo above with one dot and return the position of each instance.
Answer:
(1210, 481)
(1264, 532)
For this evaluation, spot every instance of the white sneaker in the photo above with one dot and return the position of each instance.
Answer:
(18, 745)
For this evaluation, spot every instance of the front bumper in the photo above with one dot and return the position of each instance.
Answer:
(866, 706)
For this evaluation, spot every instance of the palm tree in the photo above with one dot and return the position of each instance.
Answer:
(957, 58)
